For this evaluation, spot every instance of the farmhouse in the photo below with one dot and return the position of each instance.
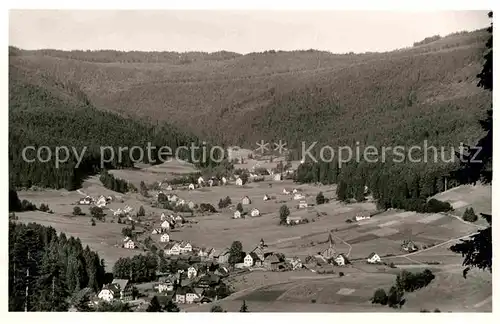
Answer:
(277, 177)
(239, 182)
(303, 204)
(222, 257)
(237, 214)
(163, 216)
(361, 217)
(101, 202)
(298, 196)
(287, 191)
(165, 224)
(85, 201)
(409, 246)
(165, 238)
(157, 231)
(201, 181)
(180, 202)
(164, 286)
(186, 247)
(172, 198)
(191, 205)
(293, 220)
(373, 258)
(118, 289)
(271, 262)
(246, 200)
(179, 219)
(295, 262)
(255, 212)
(191, 186)
(341, 260)
(204, 252)
(266, 197)
(248, 261)
(296, 190)
(172, 248)
(169, 188)
(129, 244)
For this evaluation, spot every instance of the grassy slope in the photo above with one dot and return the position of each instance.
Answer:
(395, 97)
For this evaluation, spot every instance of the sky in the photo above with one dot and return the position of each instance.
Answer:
(236, 31)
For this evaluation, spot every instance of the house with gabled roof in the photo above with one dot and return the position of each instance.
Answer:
(373, 258)
(191, 186)
(165, 238)
(290, 220)
(223, 256)
(239, 182)
(271, 262)
(172, 248)
(186, 247)
(287, 191)
(341, 259)
(237, 214)
(266, 197)
(255, 212)
(129, 244)
(165, 224)
(246, 201)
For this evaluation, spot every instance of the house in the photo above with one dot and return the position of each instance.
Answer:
(204, 252)
(164, 286)
(101, 202)
(179, 219)
(237, 214)
(165, 238)
(180, 202)
(192, 272)
(271, 262)
(191, 205)
(290, 220)
(277, 177)
(191, 186)
(129, 244)
(255, 212)
(165, 224)
(295, 262)
(85, 201)
(192, 295)
(163, 217)
(286, 191)
(211, 182)
(373, 258)
(221, 272)
(409, 246)
(172, 249)
(248, 260)
(169, 188)
(223, 257)
(298, 196)
(224, 180)
(173, 198)
(302, 204)
(362, 217)
(186, 247)
(341, 260)
(180, 295)
(118, 289)
(157, 231)
(201, 181)
(330, 252)
(266, 197)
(246, 201)
(239, 182)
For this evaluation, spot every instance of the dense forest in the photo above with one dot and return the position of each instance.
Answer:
(395, 98)
(46, 269)
(50, 113)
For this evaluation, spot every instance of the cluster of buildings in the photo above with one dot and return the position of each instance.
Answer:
(101, 201)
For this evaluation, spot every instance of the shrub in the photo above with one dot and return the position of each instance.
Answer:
(341, 274)
(320, 198)
(44, 208)
(469, 215)
(77, 211)
(379, 297)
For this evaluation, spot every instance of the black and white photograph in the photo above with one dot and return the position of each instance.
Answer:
(259, 161)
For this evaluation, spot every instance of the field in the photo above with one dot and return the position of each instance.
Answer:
(293, 291)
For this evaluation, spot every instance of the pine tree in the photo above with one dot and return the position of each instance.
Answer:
(243, 308)
(154, 305)
(320, 198)
(284, 213)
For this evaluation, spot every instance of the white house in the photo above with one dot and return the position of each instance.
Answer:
(362, 217)
(85, 201)
(246, 200)
(298, 196)
(302, 204)
(248, 260)
(237, 214)
(164, 286)
(165, 238)
(186, 247)
(211, 182)
(341, 260)
(192, 272)
(179, 219)
(286, 191)
(201, 181)
(277, 177)
(295, 190)
(239, 182)
(224, 180)
(173, 198)
(293, 220)
(129, 244)
(163, 216)
(255, 212)
(180, 202)
(165, 224)
(169, 188)
(157, 231)
(191, 204)
(101, 202)
(172, 249)
(266, 197)
(373, 258)
(191, 186)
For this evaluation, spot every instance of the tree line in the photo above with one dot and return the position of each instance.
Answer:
(46, 269)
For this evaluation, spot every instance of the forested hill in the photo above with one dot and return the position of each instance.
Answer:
(48, 111)
(427, 91)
